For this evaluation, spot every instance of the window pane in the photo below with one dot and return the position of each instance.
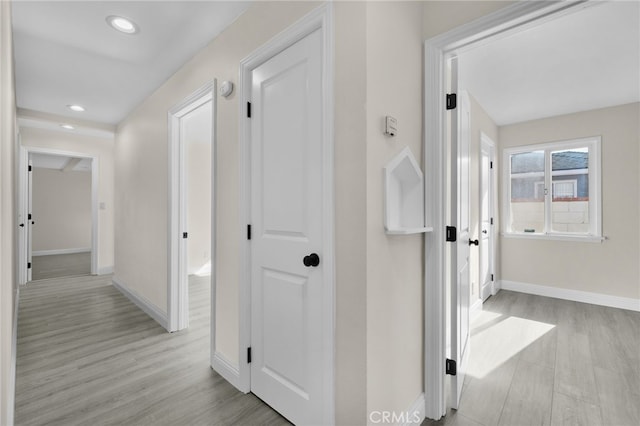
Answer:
(527, 192)
(570, 200)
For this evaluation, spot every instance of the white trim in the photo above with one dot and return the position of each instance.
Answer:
(574, 295)
(141, 302)
(226, 369)
(61, 251)
(486, 143)
(507, 20)
(11, 397)
(321, 19)
(177, 286)
(105, 270)
(415, 412)
(476, 308)
(95, 180)
(553, 236)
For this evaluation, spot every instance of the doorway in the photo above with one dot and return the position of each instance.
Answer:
(287, 283)
(487, 200)
(192, 211)
(57, 213)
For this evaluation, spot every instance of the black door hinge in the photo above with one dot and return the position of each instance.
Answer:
(29, 265)
(185, 234)
(29, 216)
(492, 221)
(450, 367)
(249, 109)
(491, 164)
(491, 277)
(248, 232)
(29, 168)
(451, 233)
(451, 101)
(248, 355)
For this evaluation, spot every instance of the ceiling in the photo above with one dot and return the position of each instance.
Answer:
(66, 53)
(578, 62)
(60, 162)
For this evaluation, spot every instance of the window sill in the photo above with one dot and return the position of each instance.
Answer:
(554, 237)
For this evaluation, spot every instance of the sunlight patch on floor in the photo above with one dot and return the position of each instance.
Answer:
(501, 338)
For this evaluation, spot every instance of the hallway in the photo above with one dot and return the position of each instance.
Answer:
(86, 355)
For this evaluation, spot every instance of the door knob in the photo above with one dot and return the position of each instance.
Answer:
(21, 225)
(474, 242)
(484, 231)
(311, 260)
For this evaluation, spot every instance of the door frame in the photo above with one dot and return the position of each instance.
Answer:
(177, 288)
(486, 141)
(24, 156)
(437, 50)
(321, 19)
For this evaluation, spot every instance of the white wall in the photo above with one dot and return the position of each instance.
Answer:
(100, 147)
(8, 223)
(61, 209)
(197, 139)
(610, 267)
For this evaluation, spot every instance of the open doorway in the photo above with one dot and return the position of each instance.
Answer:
(191, 248)
(58, 213)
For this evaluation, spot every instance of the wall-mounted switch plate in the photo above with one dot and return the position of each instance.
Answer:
(390, 126)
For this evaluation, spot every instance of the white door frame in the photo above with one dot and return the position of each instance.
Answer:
(24, 194)
(321, 19)
(438, 50)
(177, 288)
(490, 145)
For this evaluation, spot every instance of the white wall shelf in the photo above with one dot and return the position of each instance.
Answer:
(404, 196)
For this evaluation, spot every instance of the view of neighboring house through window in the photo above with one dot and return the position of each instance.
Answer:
(554, 188)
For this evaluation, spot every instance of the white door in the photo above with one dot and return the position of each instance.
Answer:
(30, 222)
(486, 218)
(460, 283)
(287, 230)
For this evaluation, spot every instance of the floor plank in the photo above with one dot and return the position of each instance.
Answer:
(88, 356)
(60, 265)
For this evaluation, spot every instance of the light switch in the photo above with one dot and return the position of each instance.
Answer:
(390, 126)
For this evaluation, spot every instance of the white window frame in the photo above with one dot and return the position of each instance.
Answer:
(595, 190)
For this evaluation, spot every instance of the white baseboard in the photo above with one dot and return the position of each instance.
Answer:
(106, 270)
(60, 251)
(149, 308)
(574, 295)
(226, 369)
(416, 414)
(12, 372)
(497, 286)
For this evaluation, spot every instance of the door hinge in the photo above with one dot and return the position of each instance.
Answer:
(491, 164)
(451, 101)
(249, 109)
(450, 367)
(491, 277)
(451, 233)
(492, 221)
(30, 168)
(185, 234)
(248, 232)
(249, 355)
(29, 265)
(29, 216)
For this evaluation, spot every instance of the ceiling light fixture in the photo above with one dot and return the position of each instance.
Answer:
(121, 24)
(76, 108)
(67, 126)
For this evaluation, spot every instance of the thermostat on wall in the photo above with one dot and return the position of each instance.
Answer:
(390, 126)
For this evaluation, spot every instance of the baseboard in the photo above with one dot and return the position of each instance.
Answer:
(417, 412)
(60, 251)
(12, 372)
(574, 295)
(105, 270)
(149, 308)
(226, 369)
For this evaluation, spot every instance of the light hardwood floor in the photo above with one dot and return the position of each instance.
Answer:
(60, 265)
(542, 361)
(88, 356)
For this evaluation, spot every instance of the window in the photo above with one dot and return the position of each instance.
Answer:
(553, 190)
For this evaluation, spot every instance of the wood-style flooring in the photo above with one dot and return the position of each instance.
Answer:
(88, 356)
(542, 361)
(60, 265)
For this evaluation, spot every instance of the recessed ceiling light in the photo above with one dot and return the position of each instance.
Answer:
(121, 24)
(67, 126)
(76, 108)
